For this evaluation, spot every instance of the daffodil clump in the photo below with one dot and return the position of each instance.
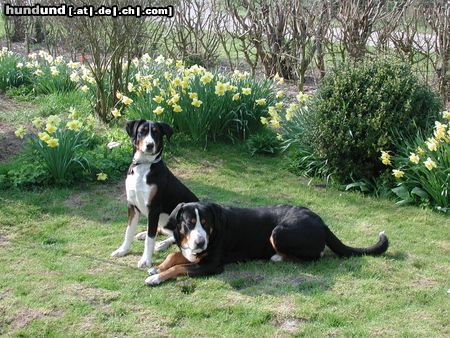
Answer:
(59, 142)
(205, 105)
(46, 73)
(286, 119)
(421, 168)
(12, 73)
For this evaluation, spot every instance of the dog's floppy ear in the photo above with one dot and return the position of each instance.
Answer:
(174, 217)
(132, 127)
(165, 129)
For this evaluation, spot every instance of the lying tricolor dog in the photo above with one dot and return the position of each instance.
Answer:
(210, 236)
(152, 189)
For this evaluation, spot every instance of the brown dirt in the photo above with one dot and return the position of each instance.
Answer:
(26, 316)
(94, 296)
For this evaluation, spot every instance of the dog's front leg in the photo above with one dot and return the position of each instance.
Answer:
(133, 218)
(175, 258)
(149, 244)
(191, 270)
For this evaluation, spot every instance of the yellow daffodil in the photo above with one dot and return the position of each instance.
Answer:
(146, 58)
(206, 78)
(116, 113)
(236, 97)
(102, 177)
(160, 59)
(193, 95)
(155, 82)
(264, 120)
(54, 71)
(246, 91)
(220, 88)
(175, 98)
(446, 114)
(185, 83)
(72, 113)
(126, 100)
(130, 87)
(119, 95)
(19, 65)
(275, 123)
(289, 115)
(158, 110)
(439, 130)
(420, 151)
(74, 125)
(279, 105)
(302, 97)
(73, 65)
(261, 102)
(385, 158)
(176, 82)
(50, 128)
(52, 142)
(414, 158)
(74, 77)
(90, 120)
(196, 102)
(54, 119)
(279, 137)
(178, 64)
(37, 122)
(38, 72)
(84, 89)
(158, 99)
(44, 137)
(279, 94)
(429, 163)
(20, 132)
(177, 108)
(397, 173)
(432, 144)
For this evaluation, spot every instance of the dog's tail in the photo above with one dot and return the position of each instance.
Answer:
(346, 251)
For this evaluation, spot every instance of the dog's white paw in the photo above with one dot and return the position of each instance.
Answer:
(153, 271)
(120, 252)
(153, 280)
(144, 262)
(163, 245)
(276, 258)
(141, 236)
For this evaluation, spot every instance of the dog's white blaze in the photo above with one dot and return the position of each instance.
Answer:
(198, 233)
(138, 191)
(149, 140)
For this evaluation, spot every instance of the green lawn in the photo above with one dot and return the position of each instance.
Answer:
(58, 278)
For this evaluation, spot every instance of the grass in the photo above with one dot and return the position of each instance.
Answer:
(58, 279)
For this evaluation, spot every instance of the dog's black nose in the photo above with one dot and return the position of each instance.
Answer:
(150, 146)
(200, 242)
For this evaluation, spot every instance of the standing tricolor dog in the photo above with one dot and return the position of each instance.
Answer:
(210, 236)
(152, 189)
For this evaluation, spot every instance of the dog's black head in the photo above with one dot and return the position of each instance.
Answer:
(147, 136)
(195, 225)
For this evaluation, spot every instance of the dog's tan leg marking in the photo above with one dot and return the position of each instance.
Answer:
(171, 273)
(278, 257)
(175, 258)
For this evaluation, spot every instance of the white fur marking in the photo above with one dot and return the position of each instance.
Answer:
(146, 259)
(153, 271)
(276, 258)
(187, 253)
(141, 235)
(131, 228)
(381, 233)
(153, 280)
(197, 234)
(163, 245)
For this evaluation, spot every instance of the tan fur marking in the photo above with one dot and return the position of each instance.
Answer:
(174, 272)
(131, 213)
(175, 258)
(153, 191)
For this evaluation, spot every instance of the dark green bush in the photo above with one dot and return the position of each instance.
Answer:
(359, 110)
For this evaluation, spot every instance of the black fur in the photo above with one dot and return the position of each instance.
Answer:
(242, 234)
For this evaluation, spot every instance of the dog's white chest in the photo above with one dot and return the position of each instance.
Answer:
(138, 191)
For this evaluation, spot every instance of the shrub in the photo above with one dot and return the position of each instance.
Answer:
(359, 110)
(12, 72)
(421, 167)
